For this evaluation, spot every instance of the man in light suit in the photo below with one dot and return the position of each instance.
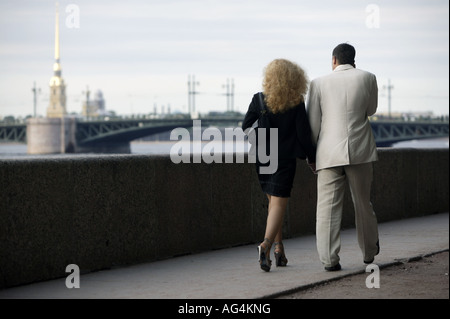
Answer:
(338, 107)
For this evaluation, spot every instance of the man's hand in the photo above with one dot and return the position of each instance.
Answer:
(312, 166)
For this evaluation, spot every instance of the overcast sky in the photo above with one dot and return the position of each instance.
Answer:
(139, 53)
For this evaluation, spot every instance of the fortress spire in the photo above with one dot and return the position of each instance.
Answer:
(57, 66)
(57, 104)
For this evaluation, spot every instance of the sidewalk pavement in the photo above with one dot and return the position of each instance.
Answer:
(234, 273)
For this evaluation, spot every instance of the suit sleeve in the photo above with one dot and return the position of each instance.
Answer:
(304, 134)
(314, 111)
(373, 99)
(251, 116)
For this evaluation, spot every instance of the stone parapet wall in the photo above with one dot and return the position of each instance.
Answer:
(113, 210)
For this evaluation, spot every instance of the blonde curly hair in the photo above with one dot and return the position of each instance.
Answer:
(284, 86)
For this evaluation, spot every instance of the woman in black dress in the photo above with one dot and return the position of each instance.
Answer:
(284, 87)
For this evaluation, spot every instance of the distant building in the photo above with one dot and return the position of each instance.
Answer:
(95, 107)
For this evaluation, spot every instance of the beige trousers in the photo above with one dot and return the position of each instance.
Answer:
(330, 189)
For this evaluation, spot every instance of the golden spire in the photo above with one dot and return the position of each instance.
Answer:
(57, 65)
(57, 103)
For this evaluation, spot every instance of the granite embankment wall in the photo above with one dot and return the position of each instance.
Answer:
(104, 211)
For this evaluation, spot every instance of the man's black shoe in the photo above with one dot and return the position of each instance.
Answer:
(334, 268)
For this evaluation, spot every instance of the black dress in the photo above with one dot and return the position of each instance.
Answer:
(294, 141)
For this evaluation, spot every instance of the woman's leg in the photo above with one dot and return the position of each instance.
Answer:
(277, 208)
(279, 236)
(278, 241)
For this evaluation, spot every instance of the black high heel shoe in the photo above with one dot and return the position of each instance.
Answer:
(263, 253)
(280, 257)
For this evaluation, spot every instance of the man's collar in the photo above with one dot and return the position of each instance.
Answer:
(343, 67)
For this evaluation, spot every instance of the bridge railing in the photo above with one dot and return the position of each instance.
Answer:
(13, 133)
(391, 132)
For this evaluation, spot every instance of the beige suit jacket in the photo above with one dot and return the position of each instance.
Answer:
(338, 107)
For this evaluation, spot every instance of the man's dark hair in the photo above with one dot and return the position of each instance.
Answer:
(345, 53)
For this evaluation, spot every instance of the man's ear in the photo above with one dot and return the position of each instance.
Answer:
(334, 62)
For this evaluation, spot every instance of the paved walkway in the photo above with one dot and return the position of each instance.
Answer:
(234, 273)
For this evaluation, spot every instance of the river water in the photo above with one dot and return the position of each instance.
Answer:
(164, 148)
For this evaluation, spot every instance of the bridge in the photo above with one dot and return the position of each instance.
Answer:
(387, 133)
(13, 133)
(92, 133)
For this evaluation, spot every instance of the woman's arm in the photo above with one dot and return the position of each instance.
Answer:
(304, 134)
(252, 114)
